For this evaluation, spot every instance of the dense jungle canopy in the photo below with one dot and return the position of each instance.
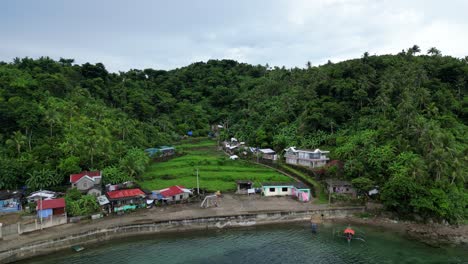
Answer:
(396, 121)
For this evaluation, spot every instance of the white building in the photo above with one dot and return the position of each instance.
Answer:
(296, 189)
(308, 158)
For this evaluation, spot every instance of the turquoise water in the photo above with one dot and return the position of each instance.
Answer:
(269, 244)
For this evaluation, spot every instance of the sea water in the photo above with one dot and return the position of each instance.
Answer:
(293, 243)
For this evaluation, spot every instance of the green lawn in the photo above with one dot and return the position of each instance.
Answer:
(216, 170)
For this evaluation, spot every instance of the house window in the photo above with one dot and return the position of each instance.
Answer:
(85, 185)
(181, 197)
(173, 198)
(347, 189)
(284, 189)
(272, 190)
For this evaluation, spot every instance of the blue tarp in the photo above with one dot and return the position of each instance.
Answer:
(44, 213)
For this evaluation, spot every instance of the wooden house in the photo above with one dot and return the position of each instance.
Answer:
(268, 154)
(126, 199)
(243, 187)
(340, 187)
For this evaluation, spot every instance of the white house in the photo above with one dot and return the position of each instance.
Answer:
(296, 189)
(303, 157)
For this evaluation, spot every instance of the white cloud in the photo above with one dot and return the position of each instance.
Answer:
(279, 32)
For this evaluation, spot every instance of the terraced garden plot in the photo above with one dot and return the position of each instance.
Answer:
(216, 170)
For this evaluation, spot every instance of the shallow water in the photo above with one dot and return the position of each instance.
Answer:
(269, 244)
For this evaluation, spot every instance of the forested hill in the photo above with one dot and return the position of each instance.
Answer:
(397, 121)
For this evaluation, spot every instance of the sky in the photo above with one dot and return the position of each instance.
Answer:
(171, 34)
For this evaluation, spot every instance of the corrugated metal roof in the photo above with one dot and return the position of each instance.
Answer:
(50, 204)
(125, 193)
(76, 177)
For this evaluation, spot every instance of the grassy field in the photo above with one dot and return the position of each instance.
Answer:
(216, 170)
(319, 190)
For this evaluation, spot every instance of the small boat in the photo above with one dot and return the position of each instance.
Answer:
(77, 248)
(349, 233)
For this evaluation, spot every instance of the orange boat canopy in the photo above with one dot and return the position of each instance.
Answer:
(349, 231)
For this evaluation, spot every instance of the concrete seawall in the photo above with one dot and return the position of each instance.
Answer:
(149, 227)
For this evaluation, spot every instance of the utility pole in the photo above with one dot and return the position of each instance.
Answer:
(40, 216)
(257, 151)
(198, 184)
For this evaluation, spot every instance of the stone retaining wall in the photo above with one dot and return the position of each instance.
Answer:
(216, 222)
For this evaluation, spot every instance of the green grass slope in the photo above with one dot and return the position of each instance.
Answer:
(216, 171)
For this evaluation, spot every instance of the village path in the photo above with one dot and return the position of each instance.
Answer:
(229, 204)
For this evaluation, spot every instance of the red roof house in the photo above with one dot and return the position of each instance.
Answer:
(74, 178)
(176, 193)
(87, 182)
(125, 194)
(126, 199)
(46, 208)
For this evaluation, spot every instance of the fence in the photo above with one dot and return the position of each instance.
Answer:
(31, 225)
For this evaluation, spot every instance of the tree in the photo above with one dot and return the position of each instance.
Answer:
(134, 163)
(413, 50)
(17, 140)
(113, 175)
(80, 205)
(434, 52)
(363, 185)
(44, 178)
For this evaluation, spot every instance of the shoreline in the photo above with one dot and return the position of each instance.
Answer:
(95, 235)
(234, 211)
(435, 235)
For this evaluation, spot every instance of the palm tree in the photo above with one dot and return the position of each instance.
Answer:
(433, 51)
(413, 50)
(52, 118)
(17, 140)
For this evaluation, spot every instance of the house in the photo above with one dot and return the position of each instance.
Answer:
(41, 195)
(51, 207)
(340, 187)
(268, 154)
(243, 187)
(162, 151)
(296, 189)
(88, 182)
(175, 193)
(126, 199)
(10, 201)
(309, 158)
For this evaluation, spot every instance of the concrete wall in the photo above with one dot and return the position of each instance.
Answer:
(99, 235)
(278, 190)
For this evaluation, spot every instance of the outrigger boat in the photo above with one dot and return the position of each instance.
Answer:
(349, 234)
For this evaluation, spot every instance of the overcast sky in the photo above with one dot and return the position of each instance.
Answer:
(170, 34)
